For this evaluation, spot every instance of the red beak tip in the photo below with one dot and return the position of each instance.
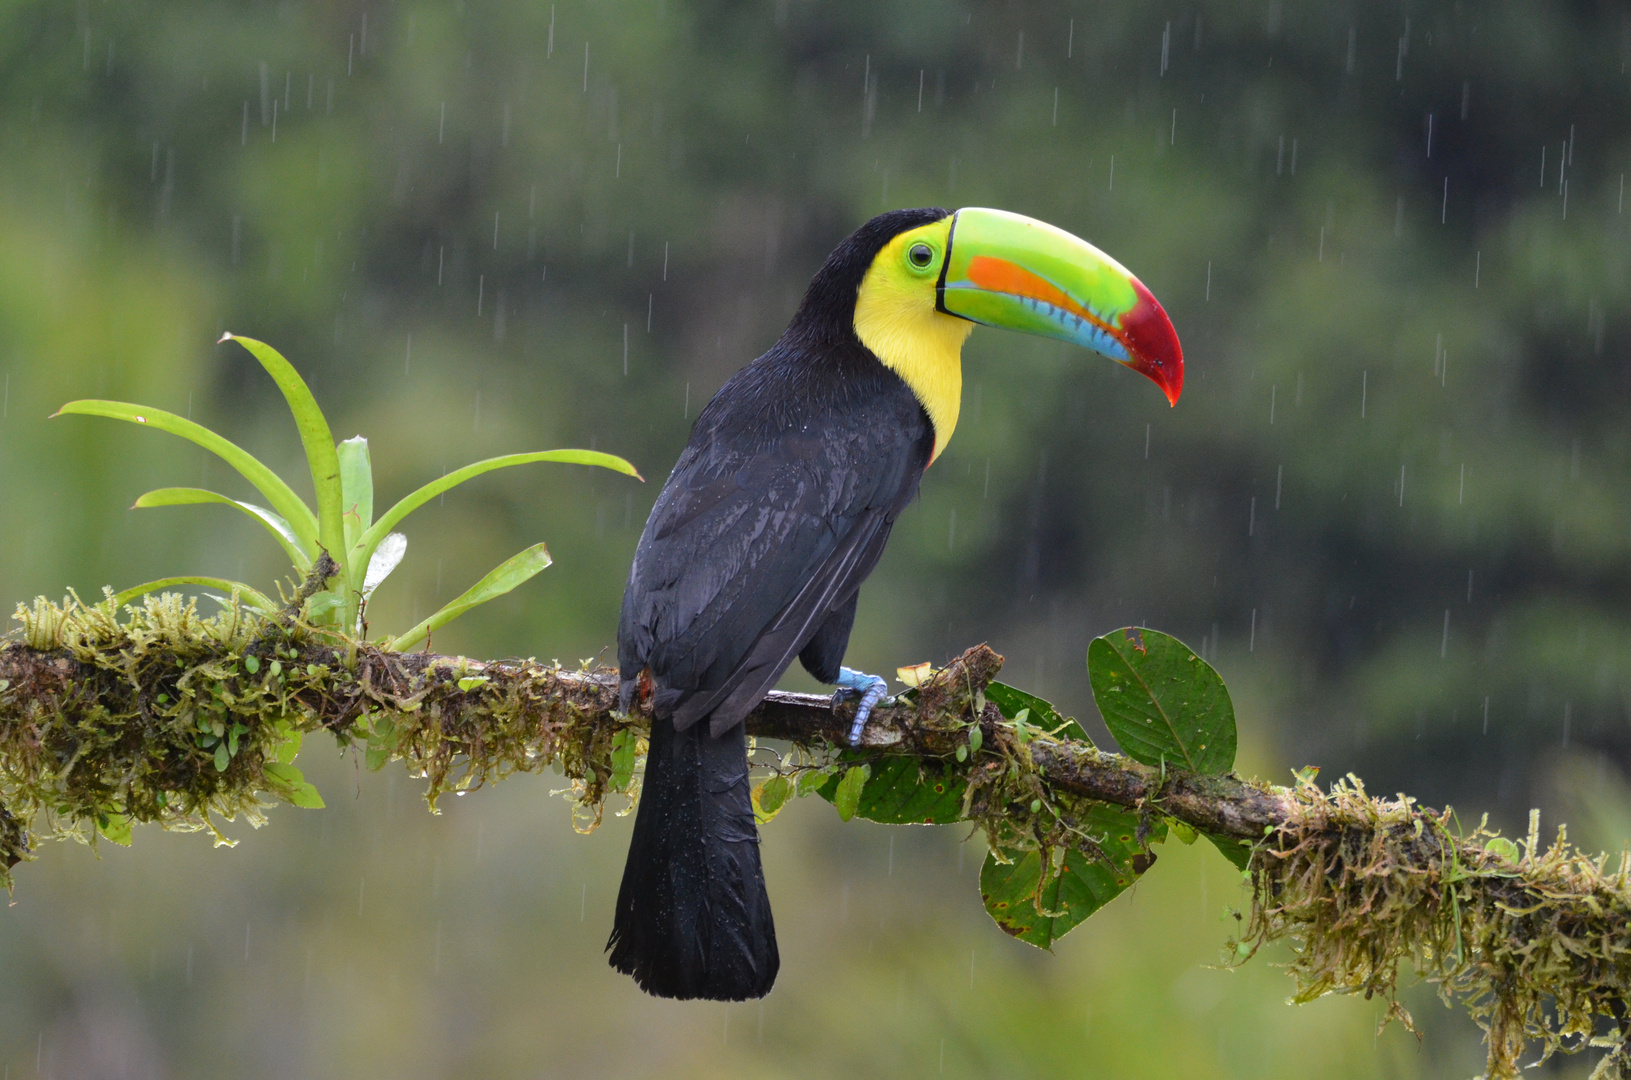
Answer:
(1153, 341)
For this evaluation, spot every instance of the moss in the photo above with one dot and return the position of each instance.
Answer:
(1533, 940)
(158, 714)
(187, 721)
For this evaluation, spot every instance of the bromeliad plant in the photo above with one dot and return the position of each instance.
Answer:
(364, 550)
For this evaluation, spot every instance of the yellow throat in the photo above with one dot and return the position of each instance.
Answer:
(895, 317)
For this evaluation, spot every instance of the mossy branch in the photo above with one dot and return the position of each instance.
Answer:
(160, 715)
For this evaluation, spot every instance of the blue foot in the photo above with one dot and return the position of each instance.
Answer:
(871, 688)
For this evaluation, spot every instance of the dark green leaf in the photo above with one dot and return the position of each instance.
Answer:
(1011, 702)
(814, 780)
(1234, 850)
(904, 791)
(1041, 913)
(1164, 705)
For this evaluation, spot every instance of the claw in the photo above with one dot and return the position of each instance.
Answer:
(871, 688)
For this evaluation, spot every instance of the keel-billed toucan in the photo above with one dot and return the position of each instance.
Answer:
(777, 511)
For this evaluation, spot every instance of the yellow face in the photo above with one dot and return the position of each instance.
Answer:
(896, 317)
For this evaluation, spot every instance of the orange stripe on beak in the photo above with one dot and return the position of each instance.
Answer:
(999, 275)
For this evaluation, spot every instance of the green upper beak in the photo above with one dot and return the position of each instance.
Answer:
(1018, 273)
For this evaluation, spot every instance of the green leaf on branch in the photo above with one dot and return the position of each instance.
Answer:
(1163, 703)
(508, 574)
(1040, 912)
(357, 490)
(846, 797)
(274, 523)
(904, 791)
(1238, 852)
(315, 437)
(252, 597)
(625, 748)
(288, 782)
(1011, 702)
(267, 482)
(413, 501)
(769, 797)
(382, 743)
(114, 827)
(815, 780)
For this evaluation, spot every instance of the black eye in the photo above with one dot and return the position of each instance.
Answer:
(921, 255)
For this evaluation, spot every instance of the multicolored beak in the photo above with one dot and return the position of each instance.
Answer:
(1018, 273)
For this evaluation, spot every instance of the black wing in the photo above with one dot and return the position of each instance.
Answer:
(778, 509)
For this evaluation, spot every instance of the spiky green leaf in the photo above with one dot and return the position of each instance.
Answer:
(274, 523)
(507, 575)
(315, 436)
(253, 597)
(267, 482)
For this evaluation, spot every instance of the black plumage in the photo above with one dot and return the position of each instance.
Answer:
(778, 509)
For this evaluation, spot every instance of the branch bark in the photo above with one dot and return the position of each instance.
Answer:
(171, 718)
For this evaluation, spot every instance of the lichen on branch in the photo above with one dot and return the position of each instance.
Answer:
(156, 713)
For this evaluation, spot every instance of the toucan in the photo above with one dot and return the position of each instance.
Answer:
(778, 509)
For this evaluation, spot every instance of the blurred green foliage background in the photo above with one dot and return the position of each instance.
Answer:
(1390, 506)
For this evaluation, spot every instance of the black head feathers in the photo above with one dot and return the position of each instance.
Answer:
(828, 310)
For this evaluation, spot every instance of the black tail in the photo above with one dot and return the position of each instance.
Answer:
(693, 919)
